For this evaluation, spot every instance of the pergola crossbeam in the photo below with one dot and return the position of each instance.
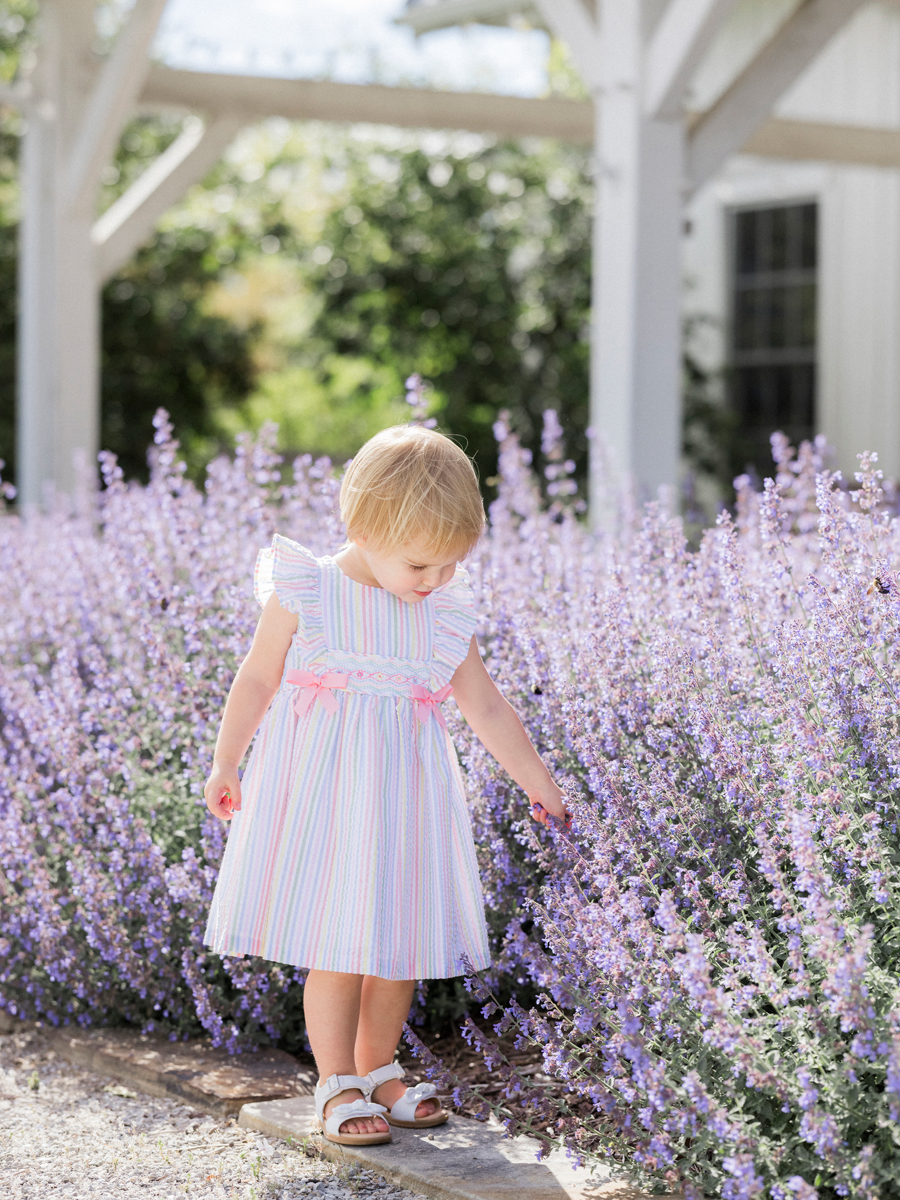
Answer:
(246, 99)
(253, 99)
(110, 105)
(681, 39)
(813, 141)
(128, 222)
(741, 110)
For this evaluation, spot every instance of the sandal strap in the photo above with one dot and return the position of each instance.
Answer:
(381, 1075)
(334, 1085)
(356, 1110)
(405, 1108)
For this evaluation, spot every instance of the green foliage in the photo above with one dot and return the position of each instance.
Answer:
(162, 348)
(708, 437)
(7, 345)
(16, 19)
(473, 271)
(16, 22)
(329, 409)
(142, 141)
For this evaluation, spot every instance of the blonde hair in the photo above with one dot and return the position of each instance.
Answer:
(409, 484)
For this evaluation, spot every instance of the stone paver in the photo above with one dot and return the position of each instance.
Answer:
(84, 1131)
(193, 1072)
(462, 1160)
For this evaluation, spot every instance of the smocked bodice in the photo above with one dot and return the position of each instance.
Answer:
(383, 645)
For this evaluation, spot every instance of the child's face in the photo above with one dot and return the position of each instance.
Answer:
(408, 571)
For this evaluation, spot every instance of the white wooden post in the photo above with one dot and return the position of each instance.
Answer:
(58, 323)
(635, 361)
(635, 378)
(76, 110)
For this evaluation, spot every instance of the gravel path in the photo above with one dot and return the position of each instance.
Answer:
(67, 1133)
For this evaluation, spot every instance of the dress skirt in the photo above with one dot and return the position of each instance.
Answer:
(353, 849)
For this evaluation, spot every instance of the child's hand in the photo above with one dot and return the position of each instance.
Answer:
(546, 804)
(223, 793)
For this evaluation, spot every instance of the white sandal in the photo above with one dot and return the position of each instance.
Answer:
(403, 1112)
(331, 1126)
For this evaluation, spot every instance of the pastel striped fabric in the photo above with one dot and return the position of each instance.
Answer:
(353, 849)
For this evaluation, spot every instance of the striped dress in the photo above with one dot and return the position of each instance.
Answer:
(353, 849)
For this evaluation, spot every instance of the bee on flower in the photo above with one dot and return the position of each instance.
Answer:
(880, 585)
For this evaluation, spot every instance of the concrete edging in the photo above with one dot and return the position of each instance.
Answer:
(462, 1160)
(192, 1072)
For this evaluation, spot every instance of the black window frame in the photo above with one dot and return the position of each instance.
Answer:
(771, 385)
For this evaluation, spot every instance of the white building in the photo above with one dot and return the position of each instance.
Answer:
(810, 326)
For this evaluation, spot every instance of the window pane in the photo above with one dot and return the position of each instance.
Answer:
(746, 242)
(809, 244)
(775, 254)
(774, 326)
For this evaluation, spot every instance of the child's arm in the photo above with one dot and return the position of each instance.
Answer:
(257, 681)
(495, 724)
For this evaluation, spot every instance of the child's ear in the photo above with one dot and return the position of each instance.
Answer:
(362, 541)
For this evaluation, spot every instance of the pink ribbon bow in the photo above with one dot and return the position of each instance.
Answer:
(427, 702)
(315, 685)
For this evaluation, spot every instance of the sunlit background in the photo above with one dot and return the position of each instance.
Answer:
(353, 41)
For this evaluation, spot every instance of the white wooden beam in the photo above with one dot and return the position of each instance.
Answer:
(246, 99)
(570, 21)
(58, 342)
(253, 98)
(681, 39)
(129, 221)
(856, 145)
(110, 105)
(727, 126)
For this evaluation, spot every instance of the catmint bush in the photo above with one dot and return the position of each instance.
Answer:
(717, 943)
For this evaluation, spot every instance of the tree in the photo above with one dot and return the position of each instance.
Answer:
(473, 271)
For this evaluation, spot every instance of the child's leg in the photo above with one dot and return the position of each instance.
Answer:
(384, 1006)
(331, 1002)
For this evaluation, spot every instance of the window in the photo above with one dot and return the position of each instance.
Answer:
(773, 346)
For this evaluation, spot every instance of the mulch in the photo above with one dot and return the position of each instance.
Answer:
(468, 1066)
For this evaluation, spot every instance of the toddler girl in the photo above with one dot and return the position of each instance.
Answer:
(351, 852)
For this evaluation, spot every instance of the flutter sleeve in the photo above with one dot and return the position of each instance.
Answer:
(454, 624)
(289, 570)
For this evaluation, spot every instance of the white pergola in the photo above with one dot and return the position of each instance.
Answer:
(636, 58)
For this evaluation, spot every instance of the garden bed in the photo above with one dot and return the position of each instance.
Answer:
(713, 947)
